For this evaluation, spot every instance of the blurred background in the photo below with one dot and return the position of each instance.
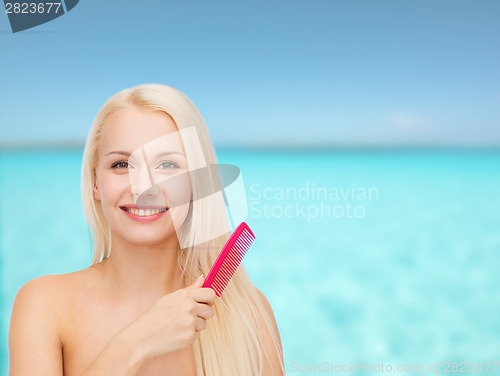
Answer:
(368, 135)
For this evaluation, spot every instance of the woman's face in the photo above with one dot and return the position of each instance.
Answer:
(141, 176)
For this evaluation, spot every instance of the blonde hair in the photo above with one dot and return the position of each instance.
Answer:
(232, 343)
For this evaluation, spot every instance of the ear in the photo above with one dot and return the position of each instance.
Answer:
(97, 195)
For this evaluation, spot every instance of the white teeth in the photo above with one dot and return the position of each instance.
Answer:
(145, 212)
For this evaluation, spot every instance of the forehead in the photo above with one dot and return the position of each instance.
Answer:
(130, 128)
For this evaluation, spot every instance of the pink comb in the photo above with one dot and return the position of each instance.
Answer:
(229, 258)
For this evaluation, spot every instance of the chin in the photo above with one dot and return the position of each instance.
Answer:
(149, 238)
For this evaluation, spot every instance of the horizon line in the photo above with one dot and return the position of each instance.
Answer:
(280, 146)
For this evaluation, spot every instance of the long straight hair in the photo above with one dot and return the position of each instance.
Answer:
(231, 344)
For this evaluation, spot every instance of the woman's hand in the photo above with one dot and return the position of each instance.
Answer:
(173, 321)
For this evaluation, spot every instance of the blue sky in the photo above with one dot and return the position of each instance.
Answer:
(287, 73)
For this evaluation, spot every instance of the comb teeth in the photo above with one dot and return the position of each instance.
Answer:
(229, 258)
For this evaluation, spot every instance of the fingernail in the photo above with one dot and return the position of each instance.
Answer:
(200, 276)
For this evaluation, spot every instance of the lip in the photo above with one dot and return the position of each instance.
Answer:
(144, 219)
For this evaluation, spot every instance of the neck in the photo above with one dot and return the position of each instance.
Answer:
(142, 273)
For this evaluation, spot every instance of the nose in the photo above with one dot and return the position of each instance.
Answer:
(150, 196)
(142, 183)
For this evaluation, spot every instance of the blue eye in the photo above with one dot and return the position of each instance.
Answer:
(168, 165)
(120, 164)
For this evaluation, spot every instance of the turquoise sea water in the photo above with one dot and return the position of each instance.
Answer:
(388, 258)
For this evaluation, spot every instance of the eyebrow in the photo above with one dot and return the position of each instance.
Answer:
(119, 153)
(127, 154)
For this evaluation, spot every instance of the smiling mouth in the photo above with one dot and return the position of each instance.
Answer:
(144, 212)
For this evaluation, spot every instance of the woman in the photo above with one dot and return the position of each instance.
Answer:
(140, 308)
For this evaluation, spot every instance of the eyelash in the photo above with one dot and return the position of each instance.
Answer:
(116, 164)
(173, 164)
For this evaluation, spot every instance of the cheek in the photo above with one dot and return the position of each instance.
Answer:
(179, 192)
(112, 187)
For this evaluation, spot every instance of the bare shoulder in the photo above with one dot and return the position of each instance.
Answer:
(50, 297)
(49, 292)
(266, 302)
(273, 363)
(38, 298)
(41, 288)
(35, 325)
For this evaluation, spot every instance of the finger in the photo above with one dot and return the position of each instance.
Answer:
(197, 283)
(203, 295)
(200, 324)
(204, 311)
